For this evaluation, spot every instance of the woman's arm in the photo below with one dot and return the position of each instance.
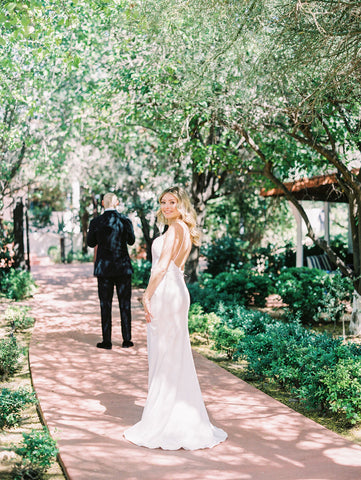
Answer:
(171, 239)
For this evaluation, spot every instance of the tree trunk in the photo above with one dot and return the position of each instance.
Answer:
(205, 186)
(192, 266)
(27, 240)
(355, 323)
(19, 251)
(84, 223)
(146, 234)
(62, 249)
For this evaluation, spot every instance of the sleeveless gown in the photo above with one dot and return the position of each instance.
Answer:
(174, 415)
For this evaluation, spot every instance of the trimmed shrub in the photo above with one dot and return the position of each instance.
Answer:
(38, 452)
(238, 316)
(9, 357)
(11, 403)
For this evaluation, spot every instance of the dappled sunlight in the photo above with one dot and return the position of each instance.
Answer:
(344, 456)
(90, 396)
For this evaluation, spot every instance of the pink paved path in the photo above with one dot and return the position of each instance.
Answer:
(89, 396)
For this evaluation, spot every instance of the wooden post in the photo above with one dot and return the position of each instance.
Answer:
(299, 244)
(326, 209)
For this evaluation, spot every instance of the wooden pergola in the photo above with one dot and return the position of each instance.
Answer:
(322, 188)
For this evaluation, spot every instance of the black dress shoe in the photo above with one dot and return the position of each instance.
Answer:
(107, 346)
(127, 344)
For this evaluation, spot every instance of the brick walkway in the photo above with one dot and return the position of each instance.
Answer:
(89, 396)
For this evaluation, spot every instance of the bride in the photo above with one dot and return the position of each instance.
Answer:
(174, 415)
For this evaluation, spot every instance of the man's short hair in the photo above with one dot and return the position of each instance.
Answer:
(110, 200)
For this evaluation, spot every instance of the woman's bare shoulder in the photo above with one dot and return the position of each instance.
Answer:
(181, 226)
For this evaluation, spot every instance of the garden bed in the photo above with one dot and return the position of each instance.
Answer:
(239, 369)
(213, 349)
(10, 438)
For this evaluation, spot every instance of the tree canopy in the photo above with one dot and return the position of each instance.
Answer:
(194, 92)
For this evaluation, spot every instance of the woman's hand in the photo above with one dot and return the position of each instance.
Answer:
(146, 305)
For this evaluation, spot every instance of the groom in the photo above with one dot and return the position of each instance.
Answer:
(110, 233)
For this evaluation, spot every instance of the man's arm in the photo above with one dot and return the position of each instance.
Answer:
(130, 231)
(91, 236)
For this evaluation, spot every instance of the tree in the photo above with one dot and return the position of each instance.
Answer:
(286, 101)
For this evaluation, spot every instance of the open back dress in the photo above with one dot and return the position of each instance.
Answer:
(174, 415)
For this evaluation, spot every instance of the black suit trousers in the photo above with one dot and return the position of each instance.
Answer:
(123, 288)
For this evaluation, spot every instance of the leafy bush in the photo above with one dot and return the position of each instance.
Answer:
(313, 293)
(243, 287)
(54, 253)
(38, 452)
(226, 339)
(6, 239)
(302, 289)
(321, 371)
(78, 256)
(238, 316)
(343, 388)
(200, 322)
(338, 295)
(17, 319)
(11, 403)
(228, 325)
(271, 260)
(141, 273)
(307, 364)
(9, 356)
(223, 255)
(16, 284)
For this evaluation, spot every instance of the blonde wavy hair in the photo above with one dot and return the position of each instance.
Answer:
(186, 210)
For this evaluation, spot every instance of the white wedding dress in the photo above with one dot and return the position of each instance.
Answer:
(174, 415)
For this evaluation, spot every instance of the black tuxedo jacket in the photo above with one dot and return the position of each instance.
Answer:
(111, 232)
